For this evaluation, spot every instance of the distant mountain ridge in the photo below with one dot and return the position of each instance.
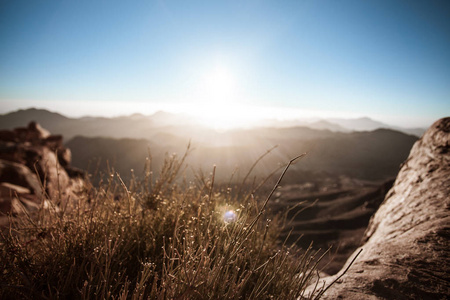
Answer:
(359, 124)
(138, 125)
(341, 125)
(124, 142)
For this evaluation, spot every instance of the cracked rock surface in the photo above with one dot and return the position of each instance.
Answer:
(406, 246)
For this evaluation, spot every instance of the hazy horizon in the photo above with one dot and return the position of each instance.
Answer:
(229, 63)
(267, 117)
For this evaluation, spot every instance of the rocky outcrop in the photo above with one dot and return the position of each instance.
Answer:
(34, 167)
(406, 250)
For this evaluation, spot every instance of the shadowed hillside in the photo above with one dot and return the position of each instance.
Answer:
(365, 155)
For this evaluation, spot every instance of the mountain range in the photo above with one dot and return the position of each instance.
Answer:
(124, 143)
(139, 126)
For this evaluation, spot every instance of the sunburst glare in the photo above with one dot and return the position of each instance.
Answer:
(219, 103)
(219, 83)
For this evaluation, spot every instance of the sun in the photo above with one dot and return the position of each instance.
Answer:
(219, 83)
(218, 100)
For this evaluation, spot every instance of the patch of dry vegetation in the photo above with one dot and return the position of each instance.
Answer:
(154, 239)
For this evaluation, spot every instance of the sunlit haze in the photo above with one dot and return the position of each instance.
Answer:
(229, 63)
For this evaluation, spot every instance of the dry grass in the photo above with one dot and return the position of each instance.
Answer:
(154, 239)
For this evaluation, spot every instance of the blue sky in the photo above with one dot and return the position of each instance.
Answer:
(389, 60)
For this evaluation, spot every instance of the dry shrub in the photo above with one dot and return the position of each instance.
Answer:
(154, 239)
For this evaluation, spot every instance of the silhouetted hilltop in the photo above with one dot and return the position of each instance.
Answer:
(47, 119)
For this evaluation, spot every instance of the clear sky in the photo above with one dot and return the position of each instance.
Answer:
(389, 60)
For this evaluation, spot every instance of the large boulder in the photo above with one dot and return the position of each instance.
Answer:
(406, 250)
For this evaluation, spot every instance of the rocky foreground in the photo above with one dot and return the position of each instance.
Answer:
(34, 167)
(406, 250)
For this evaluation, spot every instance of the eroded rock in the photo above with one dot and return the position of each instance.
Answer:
(406, 250)
(19, 175)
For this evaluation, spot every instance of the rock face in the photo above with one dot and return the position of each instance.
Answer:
(406, 250)
(34, 167)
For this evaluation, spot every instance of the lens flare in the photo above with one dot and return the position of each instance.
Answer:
(230, 216)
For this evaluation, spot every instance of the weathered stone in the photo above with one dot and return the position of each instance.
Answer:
(30, 156)
(64, 157)
(19, 175)
(7, 136)
(7, 189)
(15, 202)
(26, 146)
(33, 133)
(10, 151)
(54, 142)
(56, 178)
(5, 206)
(19, 206)
(75, 173)
(406, 253)
(36, 129)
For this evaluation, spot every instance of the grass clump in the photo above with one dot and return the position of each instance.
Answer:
(154, 239)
